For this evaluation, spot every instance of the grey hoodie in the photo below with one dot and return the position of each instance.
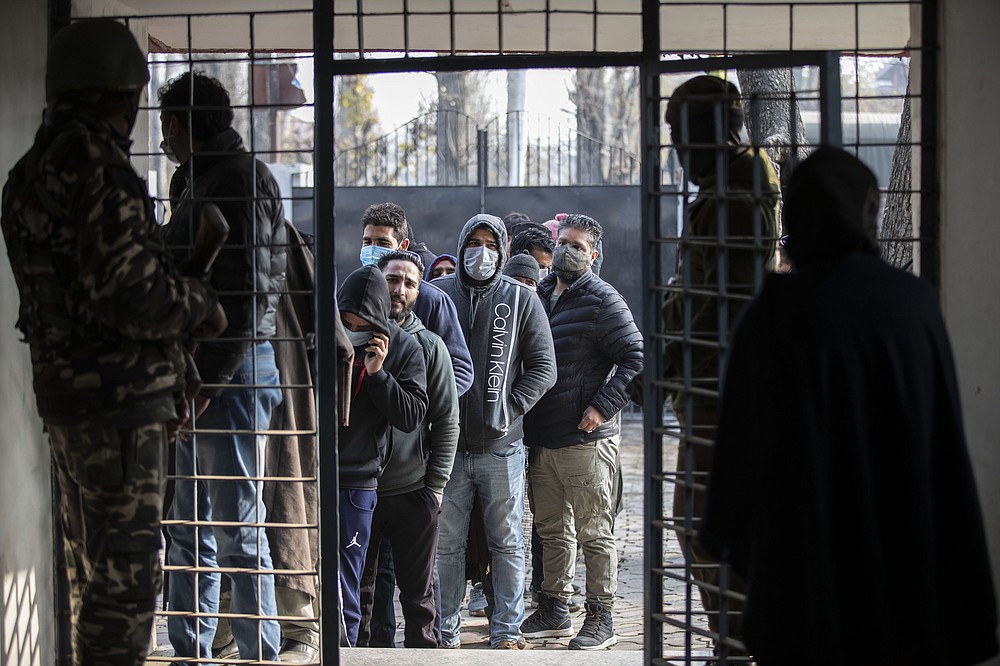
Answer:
(508, 336)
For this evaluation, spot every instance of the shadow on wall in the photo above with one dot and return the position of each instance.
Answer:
(20, 630)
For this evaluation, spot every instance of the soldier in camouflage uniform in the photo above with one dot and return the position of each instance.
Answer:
(105, 313)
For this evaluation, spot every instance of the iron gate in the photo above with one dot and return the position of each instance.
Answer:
(673, 37)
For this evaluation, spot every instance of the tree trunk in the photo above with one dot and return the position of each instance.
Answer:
(590, 98)
(452, 149)
(897, 218)
(773, 120)
(515, 127)
(623, 131)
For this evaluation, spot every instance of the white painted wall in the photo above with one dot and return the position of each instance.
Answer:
(970, 232)
(27, 631)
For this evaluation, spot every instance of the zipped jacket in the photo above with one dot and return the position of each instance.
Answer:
(249, 273)
(598, 352)
(424, 457)
(511, 346)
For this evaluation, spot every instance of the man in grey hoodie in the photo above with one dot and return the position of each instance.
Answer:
(514, 361)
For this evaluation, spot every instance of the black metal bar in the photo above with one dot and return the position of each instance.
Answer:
(652, 274)
(930, 184)
(326, 348)
(459, 63)
(775, 60)
(60, 13)
(830, 129)
(482, 162)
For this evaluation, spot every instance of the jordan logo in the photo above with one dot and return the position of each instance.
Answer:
(354, 542)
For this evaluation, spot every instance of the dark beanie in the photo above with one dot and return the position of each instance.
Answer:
(522, 266)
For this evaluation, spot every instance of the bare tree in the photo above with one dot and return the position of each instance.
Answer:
(773, 118)
(355, 131)
(589, 93)
(453, 142)
(897, 218)
(623, 131)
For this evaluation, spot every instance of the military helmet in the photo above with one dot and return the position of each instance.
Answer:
(94, 54)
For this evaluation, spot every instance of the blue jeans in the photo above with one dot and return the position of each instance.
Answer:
(499, 480)
(245, 406)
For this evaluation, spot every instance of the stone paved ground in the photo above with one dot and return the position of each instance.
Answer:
(628, 615)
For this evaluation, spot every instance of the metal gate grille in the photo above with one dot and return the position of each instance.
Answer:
(793, 99)
(817, 44)
(242, 507)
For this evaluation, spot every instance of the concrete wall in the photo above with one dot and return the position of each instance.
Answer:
(970, 232)
(27, 631)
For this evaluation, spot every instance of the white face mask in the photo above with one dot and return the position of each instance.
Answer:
(480, 263)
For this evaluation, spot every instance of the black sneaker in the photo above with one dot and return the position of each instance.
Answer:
(550, 620)
(597, 632)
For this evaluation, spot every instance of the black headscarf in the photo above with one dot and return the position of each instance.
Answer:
(830, 208)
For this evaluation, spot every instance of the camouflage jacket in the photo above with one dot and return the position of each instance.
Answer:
(103, 307)
(751, 196)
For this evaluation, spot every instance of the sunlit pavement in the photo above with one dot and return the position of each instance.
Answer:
(628, 611)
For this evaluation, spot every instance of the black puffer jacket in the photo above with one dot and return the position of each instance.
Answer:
(249, 273)
(598, 352)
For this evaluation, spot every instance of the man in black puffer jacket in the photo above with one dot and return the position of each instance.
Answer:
(240, 379)
(572, 432)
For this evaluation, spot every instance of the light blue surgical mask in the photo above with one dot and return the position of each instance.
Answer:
(480, 262)
(370, 254)
(359, 338)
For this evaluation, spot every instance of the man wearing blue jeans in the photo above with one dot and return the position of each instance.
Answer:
(220, 466)
(514, 364)
(245, 406)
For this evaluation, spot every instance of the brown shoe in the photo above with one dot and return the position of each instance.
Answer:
(509, 644)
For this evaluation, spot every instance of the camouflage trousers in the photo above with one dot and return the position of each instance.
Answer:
(111, 482)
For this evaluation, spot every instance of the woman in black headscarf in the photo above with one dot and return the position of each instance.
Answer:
(841, 487)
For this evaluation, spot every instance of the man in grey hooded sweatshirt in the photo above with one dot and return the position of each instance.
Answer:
(514, 361)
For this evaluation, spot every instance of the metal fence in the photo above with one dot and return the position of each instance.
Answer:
(446, 148)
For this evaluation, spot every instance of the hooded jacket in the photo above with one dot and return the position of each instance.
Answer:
(249, 273)
(511, 346)
(396, 395)
(437, 312)
(841, 487)
(598, 352)
(424, 457)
